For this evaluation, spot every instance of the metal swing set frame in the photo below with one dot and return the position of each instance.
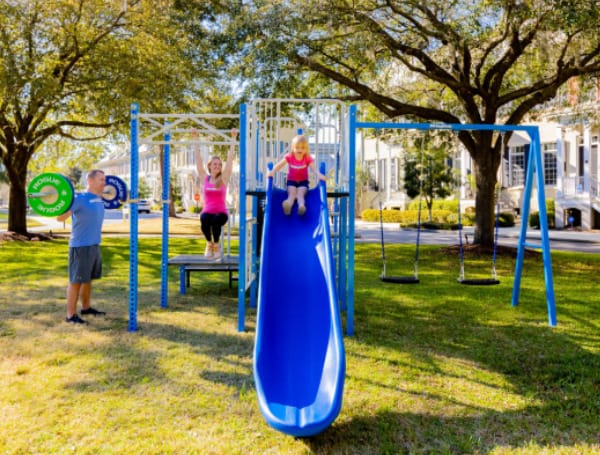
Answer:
(534, 176)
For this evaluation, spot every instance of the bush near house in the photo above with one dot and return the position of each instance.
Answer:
(506, 219)
(440, 218)
(441, 204)
(534, 217)
(410, 217)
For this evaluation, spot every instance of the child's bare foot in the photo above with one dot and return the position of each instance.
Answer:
(287, 207)
(301, 209)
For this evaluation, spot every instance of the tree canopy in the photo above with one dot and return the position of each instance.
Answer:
(457, 61)
(71, 68)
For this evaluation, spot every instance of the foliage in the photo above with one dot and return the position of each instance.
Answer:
(412, 180)
(407, 217)
(175, 190)
(428, 171)
(534, 217)
(65, 156)
(506, 219)
(70, 69)
(438, 204)
(144, 189)
(476, 62)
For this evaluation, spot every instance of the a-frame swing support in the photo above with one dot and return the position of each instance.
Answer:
(534, 174)
(535, 171)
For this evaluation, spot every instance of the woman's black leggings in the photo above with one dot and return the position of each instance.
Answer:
(211, 224)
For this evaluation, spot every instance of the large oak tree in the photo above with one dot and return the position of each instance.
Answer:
(452, 61)
(70, 69)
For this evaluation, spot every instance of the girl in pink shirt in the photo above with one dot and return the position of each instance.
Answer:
(214, 189)
(298, 162)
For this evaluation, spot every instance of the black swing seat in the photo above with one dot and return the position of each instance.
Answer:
(399, 279)
(479, 282)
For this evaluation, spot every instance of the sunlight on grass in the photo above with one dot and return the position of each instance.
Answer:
(433, 368)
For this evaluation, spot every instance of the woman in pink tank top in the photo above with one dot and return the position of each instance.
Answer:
(214, 178)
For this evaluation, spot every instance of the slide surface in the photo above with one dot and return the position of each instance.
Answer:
(299, 359)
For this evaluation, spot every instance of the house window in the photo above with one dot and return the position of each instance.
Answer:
(517, 166)
(549, 155)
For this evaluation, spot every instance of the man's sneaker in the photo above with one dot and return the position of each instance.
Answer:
(93, 311)
(301, 209)
(75, 319)
(287, 207)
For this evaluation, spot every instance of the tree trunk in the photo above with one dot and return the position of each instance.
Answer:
(17, 208)
(486, 159)
(485, 201)
(172, 211)
(16, 169)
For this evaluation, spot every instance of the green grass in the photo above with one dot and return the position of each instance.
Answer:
(434, 368)
(4, 222)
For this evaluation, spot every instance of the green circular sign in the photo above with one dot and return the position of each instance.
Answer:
(50, 194)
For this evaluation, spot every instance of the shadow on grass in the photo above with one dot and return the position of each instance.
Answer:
(396, 432)
(541, 364)
(549, 369)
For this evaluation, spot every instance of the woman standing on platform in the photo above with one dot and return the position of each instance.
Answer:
(214, 178)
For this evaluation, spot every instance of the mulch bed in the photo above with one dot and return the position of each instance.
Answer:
(10, 236)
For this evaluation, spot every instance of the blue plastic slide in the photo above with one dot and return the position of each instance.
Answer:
(299, 360)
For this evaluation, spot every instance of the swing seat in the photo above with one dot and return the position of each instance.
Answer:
(399, 279)
(479, 282)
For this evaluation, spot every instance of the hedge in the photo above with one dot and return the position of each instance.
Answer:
(439, 218)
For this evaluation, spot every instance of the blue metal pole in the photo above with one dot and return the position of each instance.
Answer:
(242, 223)
(164, 264)
(550, 303)
(351, 217)
(343, 288)
(133, 219)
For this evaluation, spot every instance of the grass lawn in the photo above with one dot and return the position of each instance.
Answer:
(4, 222)
(434, 368)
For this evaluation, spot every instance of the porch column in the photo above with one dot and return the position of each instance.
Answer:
(560, 161)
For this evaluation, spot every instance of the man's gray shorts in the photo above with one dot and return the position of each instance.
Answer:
(85, 264)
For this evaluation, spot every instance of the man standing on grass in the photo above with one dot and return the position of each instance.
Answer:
(85, 260)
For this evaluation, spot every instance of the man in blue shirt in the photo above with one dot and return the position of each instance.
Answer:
(85, 260)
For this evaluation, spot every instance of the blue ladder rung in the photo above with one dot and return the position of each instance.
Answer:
(533, 245)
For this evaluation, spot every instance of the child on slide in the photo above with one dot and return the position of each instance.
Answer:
(298, 161)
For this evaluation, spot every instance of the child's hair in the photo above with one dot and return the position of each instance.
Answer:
(299, 139)
(219, 179)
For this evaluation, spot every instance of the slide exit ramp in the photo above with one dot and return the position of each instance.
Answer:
(299, 359)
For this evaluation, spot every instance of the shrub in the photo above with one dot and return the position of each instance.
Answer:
(534, 217)
(451, 205)
(409, 217)
(506, 219)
